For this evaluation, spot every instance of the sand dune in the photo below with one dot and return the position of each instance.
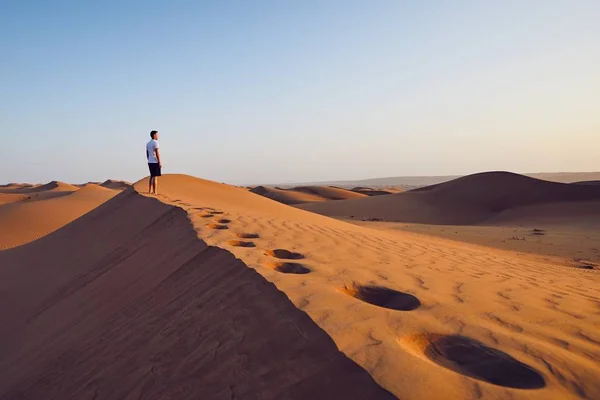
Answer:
(51, 186)
(37, 192)
(127, 303)
(511, 313)
(40, 213)
(305, 194)
(412, 182)
(115, 184)
(136, 305)
(6, 198)
(468, 200)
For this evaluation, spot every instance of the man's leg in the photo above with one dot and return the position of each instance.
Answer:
(150, 184)
(156, 185)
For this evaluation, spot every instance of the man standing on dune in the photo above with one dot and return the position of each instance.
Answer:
(154, 162)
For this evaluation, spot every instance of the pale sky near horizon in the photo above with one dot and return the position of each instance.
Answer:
(297, 90)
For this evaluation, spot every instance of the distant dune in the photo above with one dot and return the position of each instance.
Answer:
(38, 214)
(6, 198)
(412, 182)
(467, 200)
(53, 186)
(306, 194)
(115, 184)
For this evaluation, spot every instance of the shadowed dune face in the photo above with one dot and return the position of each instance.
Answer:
(126, 301)
(469, 200)
(471, 358)
(592, 183)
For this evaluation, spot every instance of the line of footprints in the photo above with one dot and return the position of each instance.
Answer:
(458, 353)
(282, 260)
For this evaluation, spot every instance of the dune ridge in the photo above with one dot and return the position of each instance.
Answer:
(136, 306)
(372, 291)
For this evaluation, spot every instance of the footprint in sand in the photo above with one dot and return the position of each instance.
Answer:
(241, 243)
(472, 358)
(287, 267)
(217, 226)
(383, 297)
(223, 221)
(247, 235)
(284, 254)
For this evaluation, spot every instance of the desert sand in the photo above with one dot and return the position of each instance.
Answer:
(210, 291)
(36, 212)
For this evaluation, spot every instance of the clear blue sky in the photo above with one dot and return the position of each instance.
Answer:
(297, 90)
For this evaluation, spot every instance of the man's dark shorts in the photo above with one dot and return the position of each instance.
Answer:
(154, 169)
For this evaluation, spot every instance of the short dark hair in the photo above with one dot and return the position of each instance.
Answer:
(153, 133)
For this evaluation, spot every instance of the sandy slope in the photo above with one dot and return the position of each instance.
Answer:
(444, 320)
(127, 303)
(306, 194)
(565, 244)
(464, 201)
(42, 212)
(6, 198)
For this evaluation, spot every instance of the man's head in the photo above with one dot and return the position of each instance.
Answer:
(154, 135)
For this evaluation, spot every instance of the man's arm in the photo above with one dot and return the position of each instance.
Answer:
(158, 157)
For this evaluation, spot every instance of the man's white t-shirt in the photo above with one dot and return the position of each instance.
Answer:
(151, 148)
